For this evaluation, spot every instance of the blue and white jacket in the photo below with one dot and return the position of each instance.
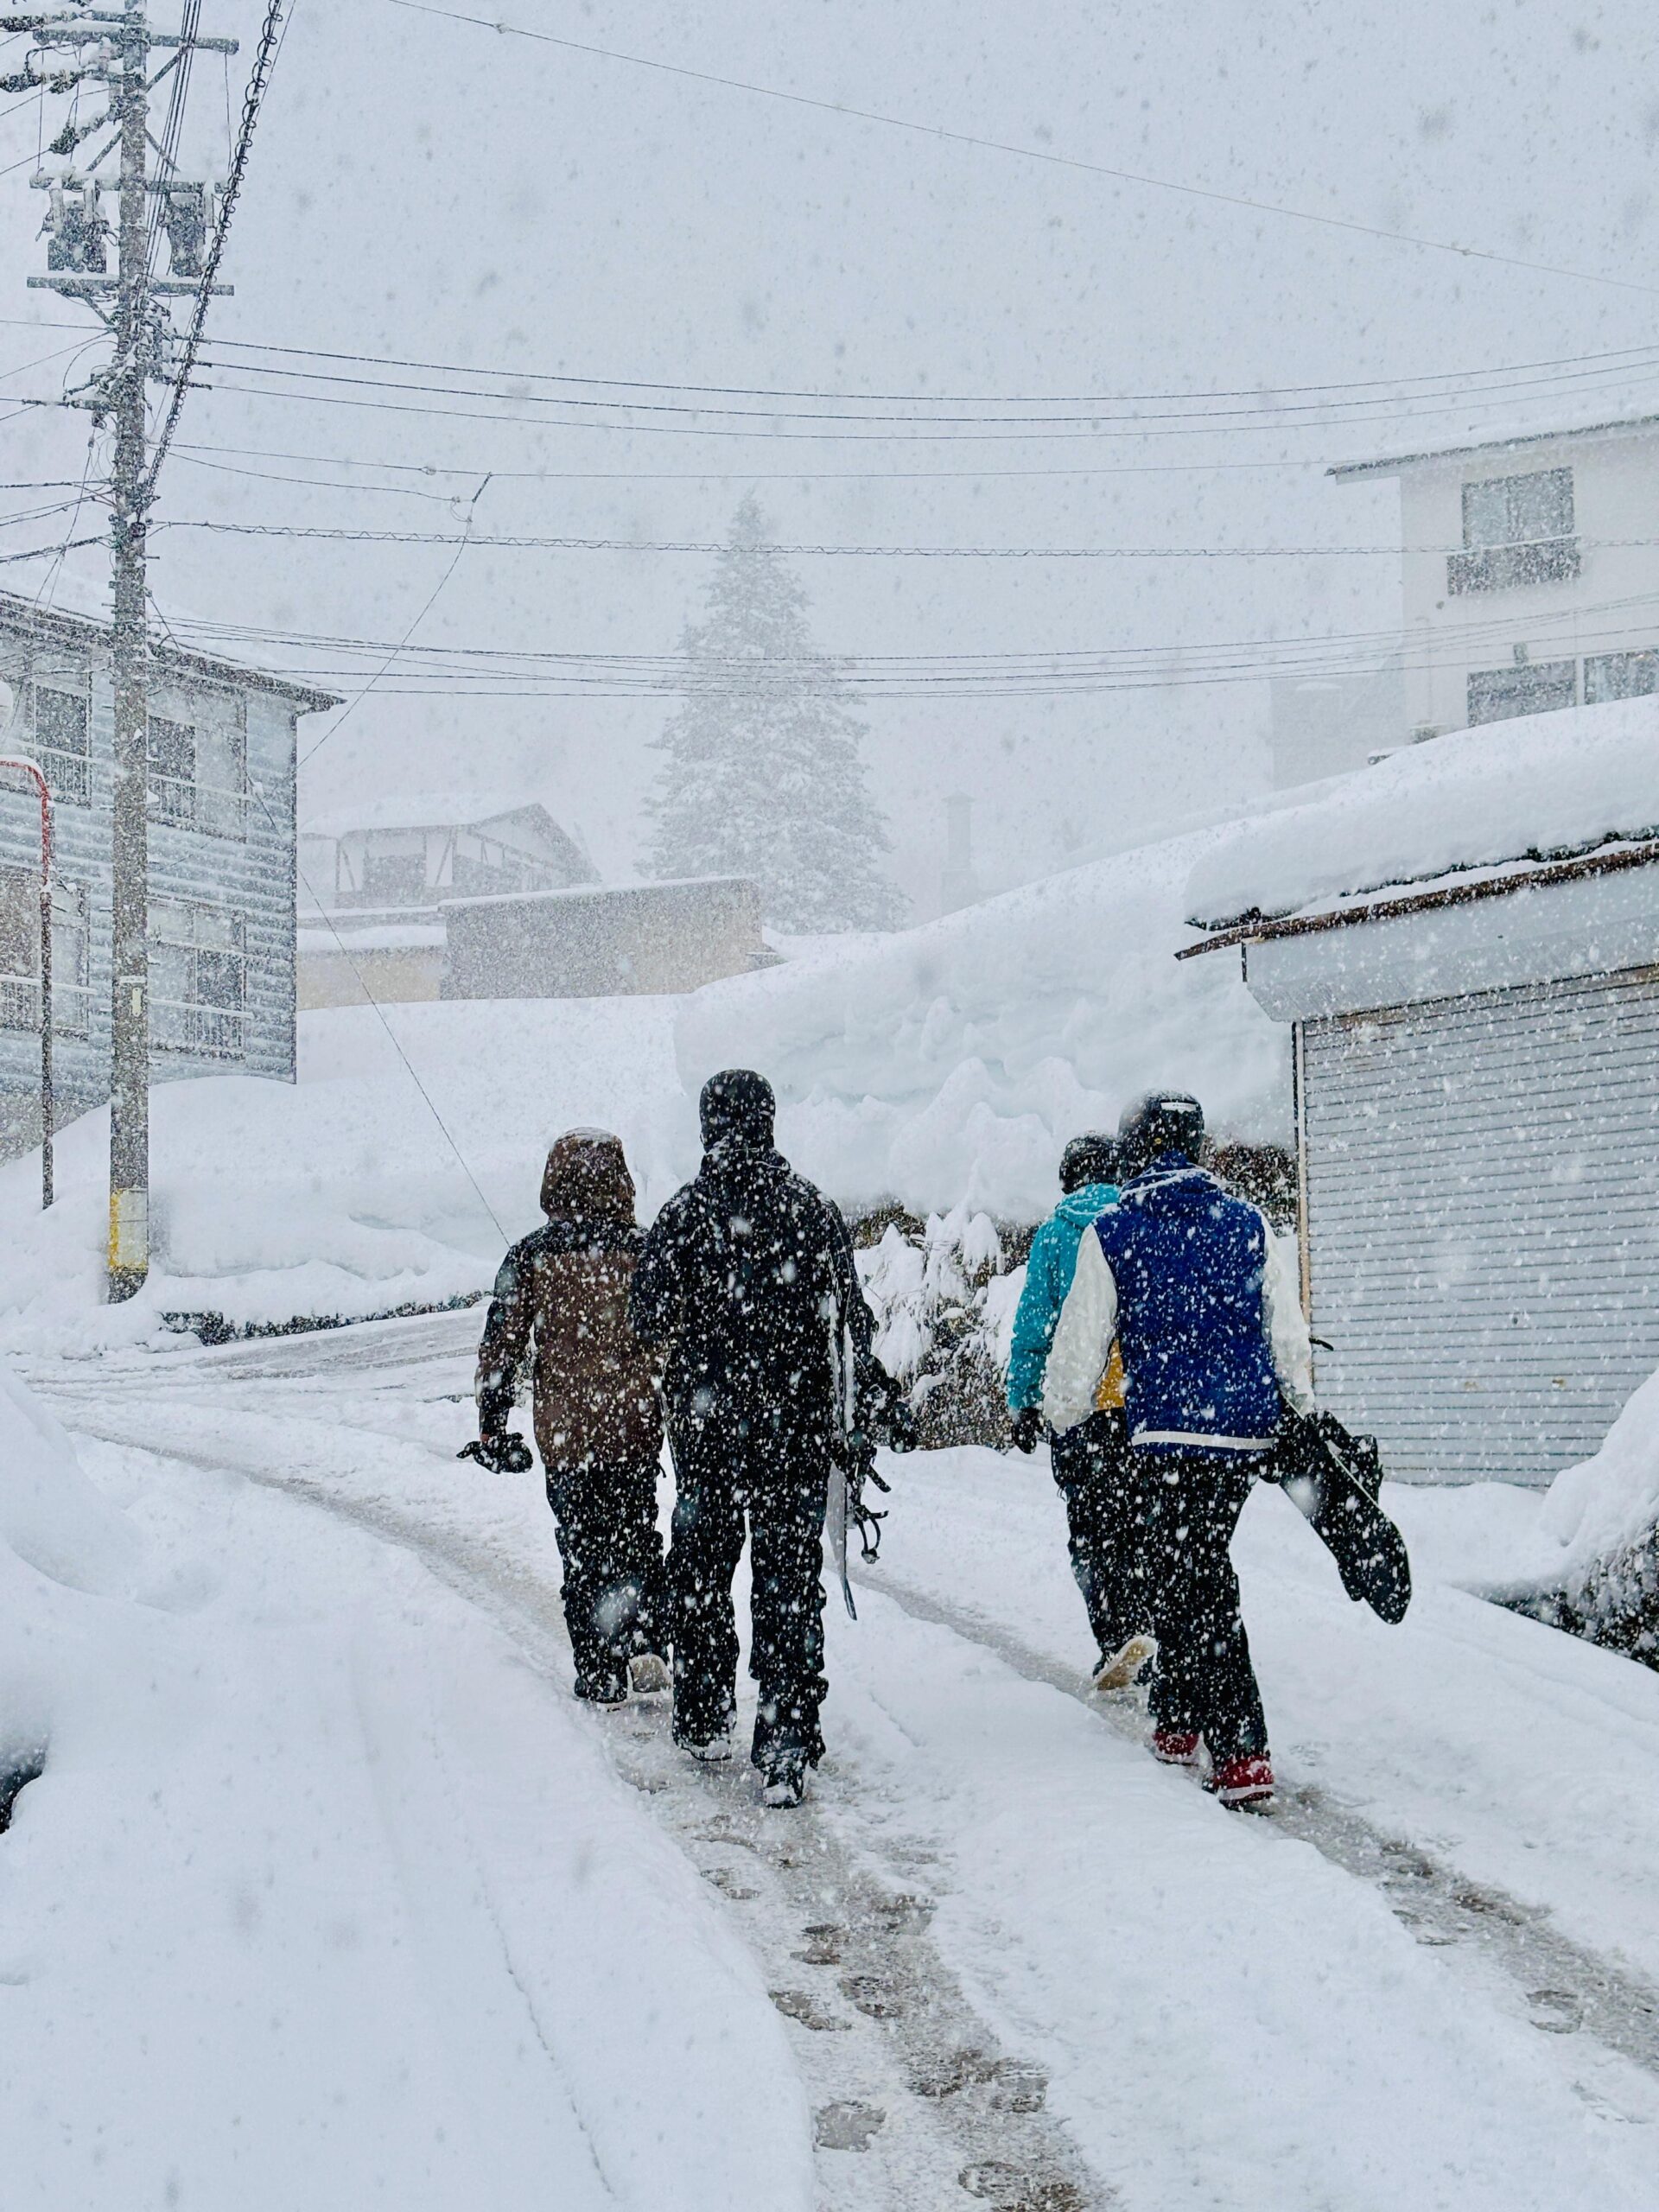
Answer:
(1204, 1302)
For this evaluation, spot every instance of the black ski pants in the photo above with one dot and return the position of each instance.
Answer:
(1091, 1466)
(1187, 1506)
(776, 1478)
(614, 1592)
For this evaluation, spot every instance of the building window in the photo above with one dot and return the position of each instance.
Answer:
(394, 880)
(63, 743)
(197, 980)
(1620, 676)
(198, 777)
(1517, 529)
(20, 954)
(1533, 687)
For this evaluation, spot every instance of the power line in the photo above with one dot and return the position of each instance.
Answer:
(731, 476)
(1328, 412)
(853, 552)
(428, 605)
(1191, 428)
(938, 132)
(1597, 363)
(264, 60)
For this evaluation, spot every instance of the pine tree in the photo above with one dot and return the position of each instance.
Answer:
(764, 775)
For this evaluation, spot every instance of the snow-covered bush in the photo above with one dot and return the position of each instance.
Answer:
(1604, 1514)
(943, 1292)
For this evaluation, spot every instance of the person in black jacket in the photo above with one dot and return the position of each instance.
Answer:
(747, 1283)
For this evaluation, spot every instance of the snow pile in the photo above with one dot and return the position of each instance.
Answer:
(1540, 785)
(948, 1066)
(323, 1894)
(63, 1548)
(392, 1174)
(1601, 1522)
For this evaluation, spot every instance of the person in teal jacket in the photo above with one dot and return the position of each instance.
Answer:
(1089, 1461)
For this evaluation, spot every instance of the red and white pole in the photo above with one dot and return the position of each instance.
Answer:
(32, 769)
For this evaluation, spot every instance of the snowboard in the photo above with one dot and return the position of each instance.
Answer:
(835, 1532)
(1333, 1478)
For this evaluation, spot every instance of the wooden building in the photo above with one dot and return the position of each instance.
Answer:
(221, 863)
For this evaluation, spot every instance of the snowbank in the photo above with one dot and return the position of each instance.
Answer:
(1538, 786)
(392, 1173)
(944, 1067)
(324, 1896)
(947, 1066)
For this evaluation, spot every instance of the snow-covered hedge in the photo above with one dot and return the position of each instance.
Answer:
(1601, 1519)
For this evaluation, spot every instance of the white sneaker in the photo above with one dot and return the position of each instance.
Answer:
(648, 1674)
(1119, 1669)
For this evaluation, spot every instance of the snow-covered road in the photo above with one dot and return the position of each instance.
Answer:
(1008, 1955)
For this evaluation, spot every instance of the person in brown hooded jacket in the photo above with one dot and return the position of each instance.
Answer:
(561, 1301)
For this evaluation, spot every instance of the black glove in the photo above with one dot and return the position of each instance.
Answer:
(504, 1453)
(901, 1435)
(1028, 1428)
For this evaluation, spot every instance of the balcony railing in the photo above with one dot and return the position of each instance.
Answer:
(217, 1032)
(1502, 568)
(20, 1006)
(178, 803)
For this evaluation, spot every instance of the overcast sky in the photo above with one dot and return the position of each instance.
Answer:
(425, 189)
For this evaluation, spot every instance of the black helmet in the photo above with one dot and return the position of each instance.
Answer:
(1091, 1158)
(1162, 1121)
(737, 1103)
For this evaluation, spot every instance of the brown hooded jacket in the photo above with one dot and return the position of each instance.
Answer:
(565, 1291)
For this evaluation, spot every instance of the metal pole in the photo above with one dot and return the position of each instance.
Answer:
(128, 1258)
(32, 768)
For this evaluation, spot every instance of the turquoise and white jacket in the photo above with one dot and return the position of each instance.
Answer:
(1049, 1271)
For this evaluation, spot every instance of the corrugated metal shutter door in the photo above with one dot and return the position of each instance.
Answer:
(1483, 1216)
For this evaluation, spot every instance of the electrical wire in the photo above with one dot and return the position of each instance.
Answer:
(940, 133)
(1377, 386)
(862, 552)
(264, 60)
(1185, 429)
(430, 602)
(1328, 412)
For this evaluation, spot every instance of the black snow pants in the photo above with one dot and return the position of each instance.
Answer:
(778, 1477)
(1187, 1509)
(1092, 1467)
(614, 1591)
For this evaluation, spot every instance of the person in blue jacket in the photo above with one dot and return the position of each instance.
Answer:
(1202, 1300)
(1089, 1460)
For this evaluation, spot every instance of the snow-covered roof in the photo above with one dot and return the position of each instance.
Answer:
(1392, 464)
(577, 891)
(1541, 787)
(67, 627)
(428, 810)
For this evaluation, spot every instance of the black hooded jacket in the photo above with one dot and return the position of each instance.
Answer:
(747, 1282)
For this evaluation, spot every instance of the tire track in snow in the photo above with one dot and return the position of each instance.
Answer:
(1567, 1989)
(908, 2074)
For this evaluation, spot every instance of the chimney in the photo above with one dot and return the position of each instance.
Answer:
(957, 885)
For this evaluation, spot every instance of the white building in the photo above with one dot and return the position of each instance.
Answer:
(1465, 942)
(1530, 576)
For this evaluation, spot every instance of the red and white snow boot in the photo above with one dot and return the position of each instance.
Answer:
(1175, 1746)
(1246, 1780)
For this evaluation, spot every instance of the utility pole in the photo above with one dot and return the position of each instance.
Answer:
(121, 45)
(129, 1253)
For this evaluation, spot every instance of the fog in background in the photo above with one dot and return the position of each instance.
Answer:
(425, 189)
